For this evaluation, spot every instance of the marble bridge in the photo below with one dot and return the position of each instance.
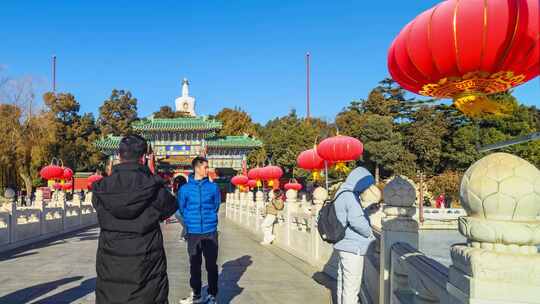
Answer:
(47, 252)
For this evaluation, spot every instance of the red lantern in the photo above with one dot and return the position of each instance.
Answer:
(467, 49)
(252, 183)
(310, 160)
(92, 179)
(271, 173)
(293, 186)
(67, 174)
(254, 173)
(239, 180)
(51, 172)
(340, 149)
(57, 186)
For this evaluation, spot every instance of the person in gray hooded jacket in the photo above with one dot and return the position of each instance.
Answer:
(358, 234)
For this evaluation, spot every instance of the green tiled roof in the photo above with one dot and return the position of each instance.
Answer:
(177, 124)
(109, 143)
(234, 142)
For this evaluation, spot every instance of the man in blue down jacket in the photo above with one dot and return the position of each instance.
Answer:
(358, 234)
(198, 202)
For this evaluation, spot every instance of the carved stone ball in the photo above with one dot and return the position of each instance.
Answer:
(501, 186)
(9, 193)
(399, 192)
(291, 194)
(320, 194)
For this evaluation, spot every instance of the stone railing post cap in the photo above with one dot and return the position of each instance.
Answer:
(291, 194)
(400, 191)
(320, 194)
(501, 186)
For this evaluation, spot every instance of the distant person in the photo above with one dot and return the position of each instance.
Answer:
(178, 182)
(273, 207)
(131, 265)
(358, 234)
(447, 201)
(439, 202)
(198, 202)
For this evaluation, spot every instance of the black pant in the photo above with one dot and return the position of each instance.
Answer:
(199, 245)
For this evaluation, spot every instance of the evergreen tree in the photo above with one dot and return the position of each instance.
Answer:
(235, 122)
(117, 113)
(75, 134)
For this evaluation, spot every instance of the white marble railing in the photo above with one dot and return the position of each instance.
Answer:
(20, 226)
(296, 232)
(500, 262)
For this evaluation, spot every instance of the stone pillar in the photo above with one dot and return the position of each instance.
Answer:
(291, 206)
(38, 200)
(319, 196)
(500, 262)
(38, 204)
(261, 208)
(398, 225)
(227, 205)
(11, 202)
(236, 206)
(77, 199)
(88, 197)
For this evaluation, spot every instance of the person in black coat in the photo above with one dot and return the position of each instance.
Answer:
(131, 265)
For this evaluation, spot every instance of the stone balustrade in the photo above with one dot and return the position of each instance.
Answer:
(20, 226)
(500, 262)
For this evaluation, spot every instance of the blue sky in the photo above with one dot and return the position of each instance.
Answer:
(245, 53)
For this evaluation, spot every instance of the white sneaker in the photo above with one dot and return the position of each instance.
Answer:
(192, 299)
(210, 299)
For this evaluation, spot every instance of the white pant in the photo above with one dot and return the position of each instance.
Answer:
(349, 277)
(267, 227)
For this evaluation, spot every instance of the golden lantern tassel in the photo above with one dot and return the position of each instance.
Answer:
(474, 104)
(316, 175)
(342, 167)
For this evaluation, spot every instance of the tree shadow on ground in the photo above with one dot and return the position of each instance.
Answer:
(231, 272)
(28, 294)
(71, 295)
(82, 234)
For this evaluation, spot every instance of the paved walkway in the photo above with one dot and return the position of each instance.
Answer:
(62, 271)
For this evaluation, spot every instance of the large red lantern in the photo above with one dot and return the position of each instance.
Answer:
(340, 149)
(92, 179)
(239, 180)
(467, 49)
(51, 172)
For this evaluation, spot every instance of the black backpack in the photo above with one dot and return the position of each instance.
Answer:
(330, 228)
